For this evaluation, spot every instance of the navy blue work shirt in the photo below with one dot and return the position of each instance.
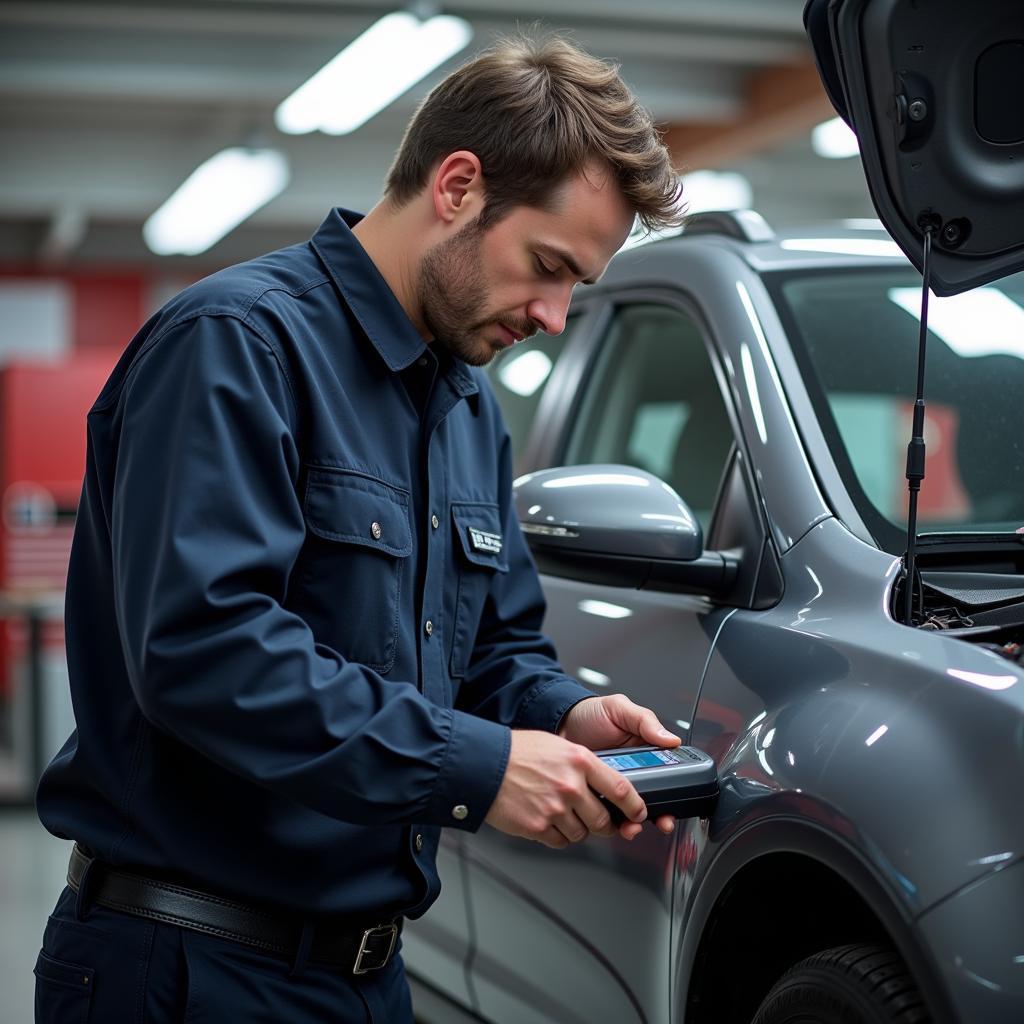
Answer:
(300, 614)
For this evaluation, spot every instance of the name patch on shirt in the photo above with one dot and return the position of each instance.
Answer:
(481, 540)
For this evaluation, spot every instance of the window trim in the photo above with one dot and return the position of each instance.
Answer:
(559, 402)
(685, 303)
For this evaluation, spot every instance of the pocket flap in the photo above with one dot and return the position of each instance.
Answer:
(356, 509)
(60, 972)
(479, 527)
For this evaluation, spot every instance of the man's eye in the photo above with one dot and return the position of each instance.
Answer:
(543, 268)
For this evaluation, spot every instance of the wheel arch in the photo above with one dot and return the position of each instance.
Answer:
(740, 919)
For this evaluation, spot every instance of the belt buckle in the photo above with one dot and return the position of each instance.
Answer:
(364, 948)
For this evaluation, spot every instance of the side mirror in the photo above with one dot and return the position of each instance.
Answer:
(619, 526)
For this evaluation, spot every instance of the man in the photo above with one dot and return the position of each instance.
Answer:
(302, 623)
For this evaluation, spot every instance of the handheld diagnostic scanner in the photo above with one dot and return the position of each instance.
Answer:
(681, 781)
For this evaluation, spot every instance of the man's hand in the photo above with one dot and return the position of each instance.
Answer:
(603, 723)
(547, 793)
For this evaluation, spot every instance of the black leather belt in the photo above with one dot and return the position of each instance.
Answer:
(355, 949)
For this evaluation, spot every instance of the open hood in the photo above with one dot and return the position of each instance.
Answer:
(935, 92)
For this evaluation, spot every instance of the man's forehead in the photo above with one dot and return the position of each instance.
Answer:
(584, 229)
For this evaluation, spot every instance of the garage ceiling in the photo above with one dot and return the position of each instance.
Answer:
(106, 107)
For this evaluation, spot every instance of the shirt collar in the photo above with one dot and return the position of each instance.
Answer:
(374, 304)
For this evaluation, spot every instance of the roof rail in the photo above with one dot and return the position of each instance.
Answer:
(743, 225)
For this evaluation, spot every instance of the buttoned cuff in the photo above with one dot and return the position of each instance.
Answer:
(548, 703)
(471, 773)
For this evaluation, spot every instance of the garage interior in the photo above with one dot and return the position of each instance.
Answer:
(107, 107)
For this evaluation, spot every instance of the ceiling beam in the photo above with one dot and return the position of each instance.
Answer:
(780, 104)
(241, 16)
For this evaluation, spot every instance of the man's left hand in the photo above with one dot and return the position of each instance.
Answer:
(603, 723)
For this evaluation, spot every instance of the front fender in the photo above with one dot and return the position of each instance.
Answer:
(784, 827)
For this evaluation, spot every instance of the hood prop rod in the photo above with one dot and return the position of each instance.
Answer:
(916, 449)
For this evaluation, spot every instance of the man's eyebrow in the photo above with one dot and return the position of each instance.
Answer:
(567, 259)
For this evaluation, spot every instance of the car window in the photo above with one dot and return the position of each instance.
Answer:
(855, 335)
(520, 376)
(653, 402)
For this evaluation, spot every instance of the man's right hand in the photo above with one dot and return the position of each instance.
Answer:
(547, 793)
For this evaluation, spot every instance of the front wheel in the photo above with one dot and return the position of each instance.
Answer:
(845, 985)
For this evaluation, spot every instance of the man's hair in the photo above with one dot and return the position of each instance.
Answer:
(536, 112)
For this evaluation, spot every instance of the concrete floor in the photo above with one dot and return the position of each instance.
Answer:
(32, 868)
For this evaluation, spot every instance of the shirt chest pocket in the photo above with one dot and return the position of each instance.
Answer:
(480, 554)
(357, 548)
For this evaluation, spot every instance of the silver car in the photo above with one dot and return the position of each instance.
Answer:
(864, 857)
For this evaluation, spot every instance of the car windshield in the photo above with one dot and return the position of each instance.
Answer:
(855, 336)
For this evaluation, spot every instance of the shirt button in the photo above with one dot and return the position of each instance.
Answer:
(376, 530)
(435, 522)
(422, 361)
(419, 841)
(460, 812)
(428, 628)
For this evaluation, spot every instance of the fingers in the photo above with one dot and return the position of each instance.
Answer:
(640, 722)
(572, 827)
(595, 817)
(552, 837)
(616, 788)
(631, 829)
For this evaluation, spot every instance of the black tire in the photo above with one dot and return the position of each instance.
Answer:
(845, 985)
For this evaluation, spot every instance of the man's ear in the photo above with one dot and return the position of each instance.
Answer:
(458, 188)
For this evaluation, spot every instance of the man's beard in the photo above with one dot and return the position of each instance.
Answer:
(453, 298)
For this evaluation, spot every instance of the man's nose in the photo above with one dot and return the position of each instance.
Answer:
(549, 312)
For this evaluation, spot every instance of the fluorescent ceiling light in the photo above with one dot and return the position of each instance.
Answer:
(843, 246)
(982, 322)
(524, 372)
(390, 57)
(716, 190)
(834, 140)
(215, 198)
(605, 609)
(592, 676)
(639, 235)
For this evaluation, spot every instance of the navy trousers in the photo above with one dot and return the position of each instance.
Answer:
(113, 968)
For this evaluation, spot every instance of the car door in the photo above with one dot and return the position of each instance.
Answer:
(437, 947)
(583, 934)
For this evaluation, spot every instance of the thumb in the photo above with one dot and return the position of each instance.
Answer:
(644, 723)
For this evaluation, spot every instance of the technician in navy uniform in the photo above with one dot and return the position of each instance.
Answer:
(303, 628)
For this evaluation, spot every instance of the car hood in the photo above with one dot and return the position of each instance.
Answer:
(930, 89)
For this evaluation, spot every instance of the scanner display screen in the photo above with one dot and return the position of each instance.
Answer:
(641, 759)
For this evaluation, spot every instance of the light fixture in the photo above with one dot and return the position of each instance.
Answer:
(834, 140)
(716, 190)
(605, 609)
(215, 198)
(524, 372)
(390, 57)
